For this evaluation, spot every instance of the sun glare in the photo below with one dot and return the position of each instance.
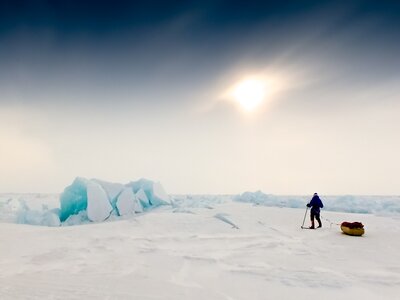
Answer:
(249, 93)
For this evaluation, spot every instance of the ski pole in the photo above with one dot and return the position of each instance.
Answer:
(302, 226)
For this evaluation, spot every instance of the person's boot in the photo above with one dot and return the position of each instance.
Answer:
(312, 225)
(319, 224)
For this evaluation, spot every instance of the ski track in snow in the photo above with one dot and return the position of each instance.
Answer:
(223, 218)
(169, 255)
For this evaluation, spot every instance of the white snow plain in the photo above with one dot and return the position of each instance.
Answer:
(201, 247)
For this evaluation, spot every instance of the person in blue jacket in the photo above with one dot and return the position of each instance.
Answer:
(316, 205)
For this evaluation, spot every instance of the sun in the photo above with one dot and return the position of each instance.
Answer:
(250, 93)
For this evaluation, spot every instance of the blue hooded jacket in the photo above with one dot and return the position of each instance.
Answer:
(315, 203)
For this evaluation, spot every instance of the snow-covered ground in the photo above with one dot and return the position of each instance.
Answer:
(201, 248)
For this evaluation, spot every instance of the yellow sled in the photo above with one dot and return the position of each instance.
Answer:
(352, 231)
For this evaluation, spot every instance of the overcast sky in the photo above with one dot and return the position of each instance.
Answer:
(118, 90)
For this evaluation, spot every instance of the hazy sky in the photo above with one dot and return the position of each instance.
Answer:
(119, 90)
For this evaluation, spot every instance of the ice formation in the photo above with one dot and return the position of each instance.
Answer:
(100, 199)
(137, 205)
(36, 217)
(98, 207)
(158, 195)
(112, 189)
(74, 198)
(126, 202)
(154, 192)
(143, 200)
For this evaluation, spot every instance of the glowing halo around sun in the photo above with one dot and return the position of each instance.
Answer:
(250, 93)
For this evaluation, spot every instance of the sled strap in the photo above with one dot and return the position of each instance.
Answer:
(330, 222)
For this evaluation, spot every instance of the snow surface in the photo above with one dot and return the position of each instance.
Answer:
(202, 247)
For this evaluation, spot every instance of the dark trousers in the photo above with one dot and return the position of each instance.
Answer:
(315, 214)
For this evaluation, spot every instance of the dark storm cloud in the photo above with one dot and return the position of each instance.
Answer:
(94, 48)
(104, 16)
(92, 16)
